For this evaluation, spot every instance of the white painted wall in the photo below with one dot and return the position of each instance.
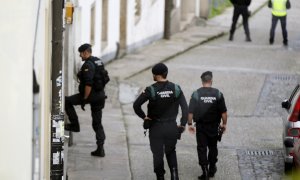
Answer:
(85, 13)
(17, 18)
(113, 27)
(150, 24)
(83, 25)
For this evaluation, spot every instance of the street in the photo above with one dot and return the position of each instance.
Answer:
(254, 77)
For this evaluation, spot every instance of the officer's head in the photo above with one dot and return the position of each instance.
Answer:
(85, 51)
(206, 77)
(159, 71)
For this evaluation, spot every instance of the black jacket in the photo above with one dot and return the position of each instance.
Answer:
(241, 2)
(165, 108)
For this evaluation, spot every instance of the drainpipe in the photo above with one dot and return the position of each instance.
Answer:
(204, 8)
(168, 10)
(57, 116)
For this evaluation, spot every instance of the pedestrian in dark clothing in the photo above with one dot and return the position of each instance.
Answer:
(164, 99)
(92, 78)
(240, 8)
(279, 8)
(207, 108)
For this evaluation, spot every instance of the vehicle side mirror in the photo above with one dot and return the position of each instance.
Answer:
(294, 132)
(286, 104)
(289, 143)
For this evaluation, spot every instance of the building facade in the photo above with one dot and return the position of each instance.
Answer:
(113, 27)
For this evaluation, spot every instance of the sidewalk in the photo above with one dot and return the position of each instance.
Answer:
(163, 50)
(116, 165)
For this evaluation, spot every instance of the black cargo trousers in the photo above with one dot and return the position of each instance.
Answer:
(163, 139)
(206, 141)
(97, 102)
(240, 10)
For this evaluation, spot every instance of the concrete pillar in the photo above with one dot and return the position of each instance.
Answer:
(204, 8)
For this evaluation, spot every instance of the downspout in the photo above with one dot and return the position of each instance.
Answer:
(168, 10)
(57, 115)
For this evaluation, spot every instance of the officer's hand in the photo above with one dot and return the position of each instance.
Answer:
(223, 127)
(147, 123)
(147, 119)
(181, 129)
(192, 129)
(82, 104)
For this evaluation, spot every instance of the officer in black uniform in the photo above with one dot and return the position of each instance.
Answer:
(207, 108)
(240, 8)
(91, 91)
(164, 99)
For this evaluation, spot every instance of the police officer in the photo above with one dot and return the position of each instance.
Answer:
(207, 108)
(164, 99)
(240, 8)
(91, 91)
(279, 8)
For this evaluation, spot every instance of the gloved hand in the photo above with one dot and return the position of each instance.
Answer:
(220, 133)
(180, 131)
(147, 124)
(82, 103)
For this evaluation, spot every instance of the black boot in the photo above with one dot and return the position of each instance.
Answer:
(174, 174)
(248, 39)
(99, 151)
(72, 127)
(204, 175)
(285, 42)
(271, 41)
(160, 177)
(212, 170)
(231, 37)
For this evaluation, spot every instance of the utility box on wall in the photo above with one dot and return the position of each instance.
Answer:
(69, 13)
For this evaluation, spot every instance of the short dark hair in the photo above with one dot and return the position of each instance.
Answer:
(85, 47)
(164, 75)
(206, 76)
(160, 69)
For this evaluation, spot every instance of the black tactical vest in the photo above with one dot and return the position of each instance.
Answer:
(163, 98)
(101, 77)
(207, 105)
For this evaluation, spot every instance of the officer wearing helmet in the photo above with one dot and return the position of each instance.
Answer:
(164, 98)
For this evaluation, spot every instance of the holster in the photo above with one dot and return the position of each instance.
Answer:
(180, 131)
(147, 124)
(220, 133)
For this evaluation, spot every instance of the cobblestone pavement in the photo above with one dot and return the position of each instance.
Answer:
(254, 77)
(260, 164)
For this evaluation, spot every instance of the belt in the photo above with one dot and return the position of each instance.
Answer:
(165, 120)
